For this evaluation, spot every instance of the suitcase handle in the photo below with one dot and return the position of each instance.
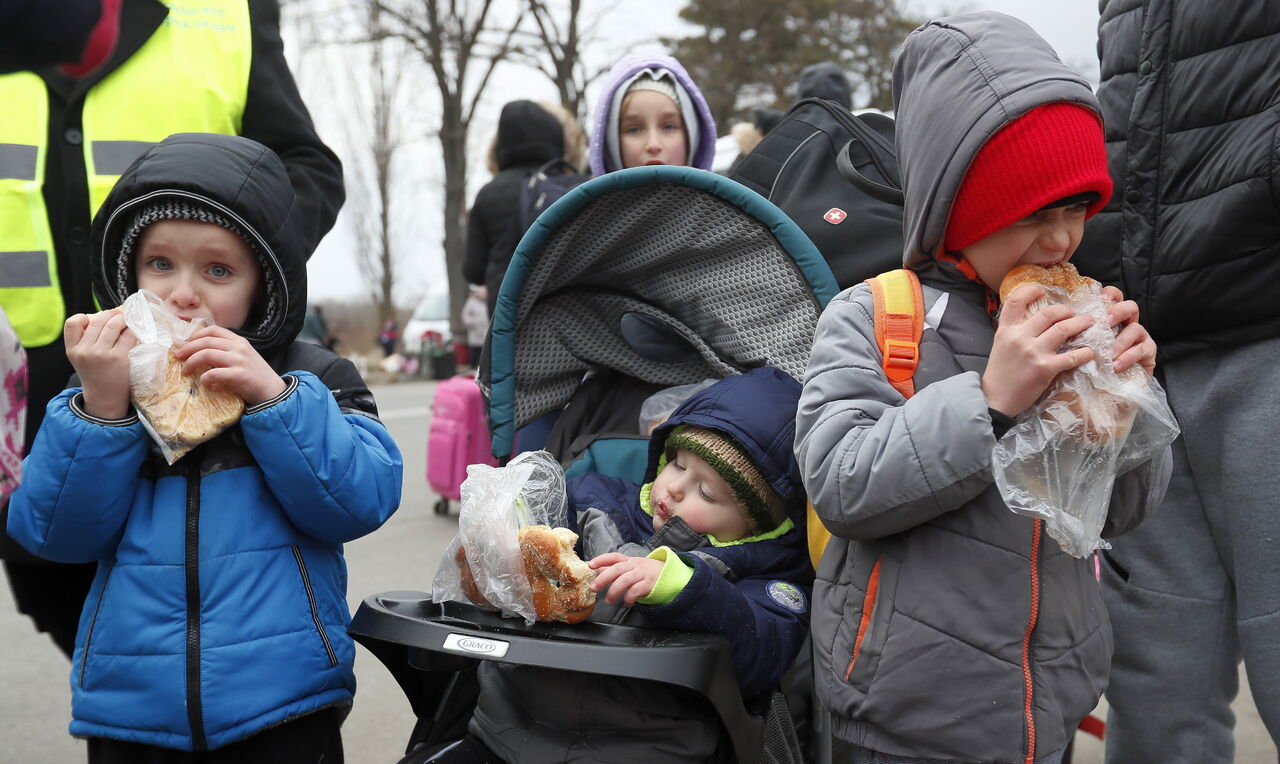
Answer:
(886, 194)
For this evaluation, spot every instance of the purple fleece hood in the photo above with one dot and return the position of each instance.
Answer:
(701, 152)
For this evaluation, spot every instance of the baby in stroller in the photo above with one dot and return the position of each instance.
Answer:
(709, 543)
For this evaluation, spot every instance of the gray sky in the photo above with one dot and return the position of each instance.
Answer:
(1069, 25)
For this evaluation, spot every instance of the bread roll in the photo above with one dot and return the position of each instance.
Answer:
(182, 412)
(560, 580)
(1087, 412)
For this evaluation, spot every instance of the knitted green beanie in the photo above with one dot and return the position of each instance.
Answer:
(762, 505)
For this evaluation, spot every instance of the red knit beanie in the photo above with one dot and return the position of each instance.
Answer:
(1051, 152)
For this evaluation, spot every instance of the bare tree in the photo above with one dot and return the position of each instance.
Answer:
(375, 137)
(344, 50)
(554, 47)
(462, 50)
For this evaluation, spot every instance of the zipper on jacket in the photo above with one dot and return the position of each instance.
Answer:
(1028, 684)
(88, 638)
(195, 712)
(868, 607)
(315, 611)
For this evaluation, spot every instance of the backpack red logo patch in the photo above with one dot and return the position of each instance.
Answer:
(835, 216)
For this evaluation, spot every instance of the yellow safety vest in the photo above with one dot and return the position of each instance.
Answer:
(192, 75)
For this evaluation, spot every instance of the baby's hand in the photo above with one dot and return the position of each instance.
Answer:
(1133, 344)
(1024, 357)
(98, 349)
(631, 577)
(229, 362)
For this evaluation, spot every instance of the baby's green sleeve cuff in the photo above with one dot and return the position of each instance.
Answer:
(674, 577)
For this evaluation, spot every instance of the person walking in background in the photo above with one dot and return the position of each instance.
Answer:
(825, 80)
(528, 136)
(947, 628)
(475, 316)
(217, 626)
(387, 337)
(651, 112)
(1191, 99)
(221, 70)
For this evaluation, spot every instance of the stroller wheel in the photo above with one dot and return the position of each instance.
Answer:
(441, 507)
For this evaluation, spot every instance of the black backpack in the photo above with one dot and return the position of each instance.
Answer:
(836, 175)
(545, 185)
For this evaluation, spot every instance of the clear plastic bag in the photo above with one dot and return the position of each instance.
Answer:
(658, 407)
(13, 407)
(1061, 458)
(178, 411)
(496, 503)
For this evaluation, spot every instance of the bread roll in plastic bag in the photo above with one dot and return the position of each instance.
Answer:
(1062, 456)
(13, 407)
(178, 411)
(483, 564)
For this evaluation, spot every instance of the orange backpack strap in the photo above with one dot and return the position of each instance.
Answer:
(899, 319)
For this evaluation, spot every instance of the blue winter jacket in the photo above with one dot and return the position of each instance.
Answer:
(219, 606)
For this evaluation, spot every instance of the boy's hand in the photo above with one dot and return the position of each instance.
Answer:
(628, 578)
(1133, 344)
(98, 349)
(1024, 357)
(229, 362)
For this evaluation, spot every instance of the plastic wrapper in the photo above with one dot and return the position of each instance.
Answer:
(13, 407)
(178, 411)
(657, 408)
(1062, 456)
(496, 503)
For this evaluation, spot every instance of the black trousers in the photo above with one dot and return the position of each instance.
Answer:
(312, 739)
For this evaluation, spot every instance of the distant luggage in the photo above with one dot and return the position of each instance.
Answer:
(836, 175)
(459, 436)
(545, 186)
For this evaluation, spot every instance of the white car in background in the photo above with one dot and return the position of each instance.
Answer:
(429, 319)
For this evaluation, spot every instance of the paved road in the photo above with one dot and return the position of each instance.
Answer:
(35, 700)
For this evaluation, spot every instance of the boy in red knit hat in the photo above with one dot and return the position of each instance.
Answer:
(946, 628)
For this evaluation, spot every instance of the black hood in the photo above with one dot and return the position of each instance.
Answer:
(242, 180)
(825, 80)
(527, 134)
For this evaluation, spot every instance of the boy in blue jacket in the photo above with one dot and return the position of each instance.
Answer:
(215, 629)
(712, 542)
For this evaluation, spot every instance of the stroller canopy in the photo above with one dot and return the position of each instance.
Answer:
(666, 274)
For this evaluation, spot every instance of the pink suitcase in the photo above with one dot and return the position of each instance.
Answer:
(459, 435)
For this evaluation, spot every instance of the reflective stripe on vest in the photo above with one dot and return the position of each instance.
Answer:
(192, 75)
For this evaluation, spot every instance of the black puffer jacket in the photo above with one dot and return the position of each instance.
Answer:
(528, 136)
(1191, 99)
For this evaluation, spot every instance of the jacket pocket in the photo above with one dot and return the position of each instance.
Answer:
(311, 602)
(93, 621)
(870, 622)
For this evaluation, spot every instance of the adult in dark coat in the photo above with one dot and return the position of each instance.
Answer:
(528, 136)
(273, 114)
(1189, 96)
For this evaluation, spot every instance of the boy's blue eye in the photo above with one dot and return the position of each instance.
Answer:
(159, 264)
(219, 271)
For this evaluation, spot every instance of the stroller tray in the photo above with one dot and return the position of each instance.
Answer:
(441, 636)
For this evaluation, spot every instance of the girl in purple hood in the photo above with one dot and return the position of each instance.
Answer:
(650, 112)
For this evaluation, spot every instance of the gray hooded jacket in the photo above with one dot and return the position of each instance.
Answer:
(980, 639)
